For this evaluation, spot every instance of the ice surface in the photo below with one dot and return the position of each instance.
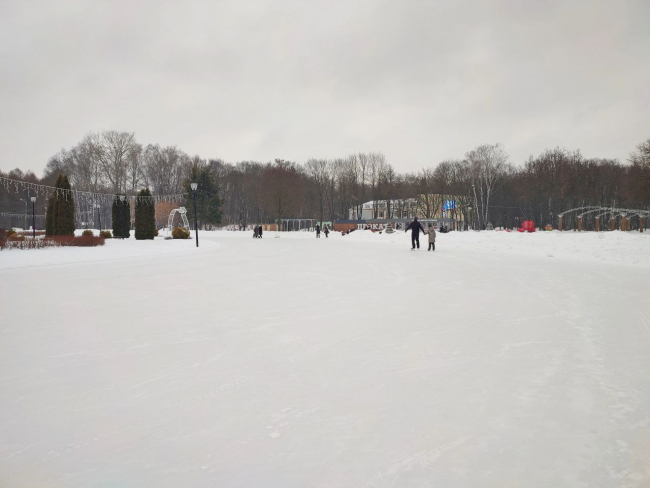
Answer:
(497, 360)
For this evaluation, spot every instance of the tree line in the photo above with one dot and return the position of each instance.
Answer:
(485, 184)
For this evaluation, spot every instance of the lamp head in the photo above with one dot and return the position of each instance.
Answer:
(122, 198)
(33, 199)
(194, 186)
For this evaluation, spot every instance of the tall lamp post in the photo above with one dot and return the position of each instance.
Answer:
(99, 216)
(34, 217)
(196, 226)
(122, 198)
(25, 223)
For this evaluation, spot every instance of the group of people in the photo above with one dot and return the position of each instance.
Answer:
(326, 231)
(257, 231)
(415, 228)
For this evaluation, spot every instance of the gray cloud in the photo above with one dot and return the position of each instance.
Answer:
(419, 81)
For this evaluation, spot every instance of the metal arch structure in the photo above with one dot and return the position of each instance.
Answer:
(562, 214)
(615, 212)
(597, 209)
(172, 214)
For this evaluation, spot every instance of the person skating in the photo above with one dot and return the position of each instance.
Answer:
(317, 231)
(255, 232)
(432, 238)
(415, 227)
(259, 232)
(326, 231)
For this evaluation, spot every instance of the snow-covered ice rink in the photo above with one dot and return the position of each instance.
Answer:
(499, 360)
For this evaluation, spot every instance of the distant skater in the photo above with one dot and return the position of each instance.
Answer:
(432, 238)
(317, 231)
(255, 233)
(327, 232)
(259, 232)
(415, 227)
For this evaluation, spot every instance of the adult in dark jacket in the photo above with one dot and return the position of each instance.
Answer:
(415, 227)
(259, 232)
(317, 230)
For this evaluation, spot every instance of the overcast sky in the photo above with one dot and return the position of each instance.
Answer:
(257, 80)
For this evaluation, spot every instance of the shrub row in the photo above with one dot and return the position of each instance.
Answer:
(20, 242)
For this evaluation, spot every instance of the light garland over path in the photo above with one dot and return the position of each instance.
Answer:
(89, 197)
(9, 215)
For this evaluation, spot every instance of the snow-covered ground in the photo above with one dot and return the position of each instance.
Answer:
(500, 360)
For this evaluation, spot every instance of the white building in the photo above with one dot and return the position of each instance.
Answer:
(385, 209)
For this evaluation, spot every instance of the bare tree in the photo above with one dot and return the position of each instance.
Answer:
(488, 168)
(319, 171)
(163, 168)
(114, 150)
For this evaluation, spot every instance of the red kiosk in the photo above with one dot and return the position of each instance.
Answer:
(527, 226)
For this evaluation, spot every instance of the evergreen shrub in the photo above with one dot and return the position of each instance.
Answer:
(60, 211)
(120, 213)
(180, 233)
(145, 216)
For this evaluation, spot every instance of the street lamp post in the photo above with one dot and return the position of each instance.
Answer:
(34, 217)
(99, 216)
(25, 222)
(469, 213)
(122, 198)
(196, 226)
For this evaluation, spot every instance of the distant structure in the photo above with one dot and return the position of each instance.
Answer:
(170, 222)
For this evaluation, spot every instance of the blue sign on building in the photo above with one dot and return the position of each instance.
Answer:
(449, 204)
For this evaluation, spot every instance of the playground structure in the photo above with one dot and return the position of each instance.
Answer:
(590, 218)
(183, 212)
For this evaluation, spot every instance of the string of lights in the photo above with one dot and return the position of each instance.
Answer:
(36, 189)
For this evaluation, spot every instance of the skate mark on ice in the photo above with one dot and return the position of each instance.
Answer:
(223, 387)
(645, 320)
(18, 452)
(421, 459)
(507, 346)
(309, 351)
(151, 380)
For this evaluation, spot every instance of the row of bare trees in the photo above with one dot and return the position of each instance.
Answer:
(116, 162)
(483, 187)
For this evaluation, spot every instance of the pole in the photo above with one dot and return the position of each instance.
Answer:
(123, 218)
(196, 226)
(33, 219)
(99, 218)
